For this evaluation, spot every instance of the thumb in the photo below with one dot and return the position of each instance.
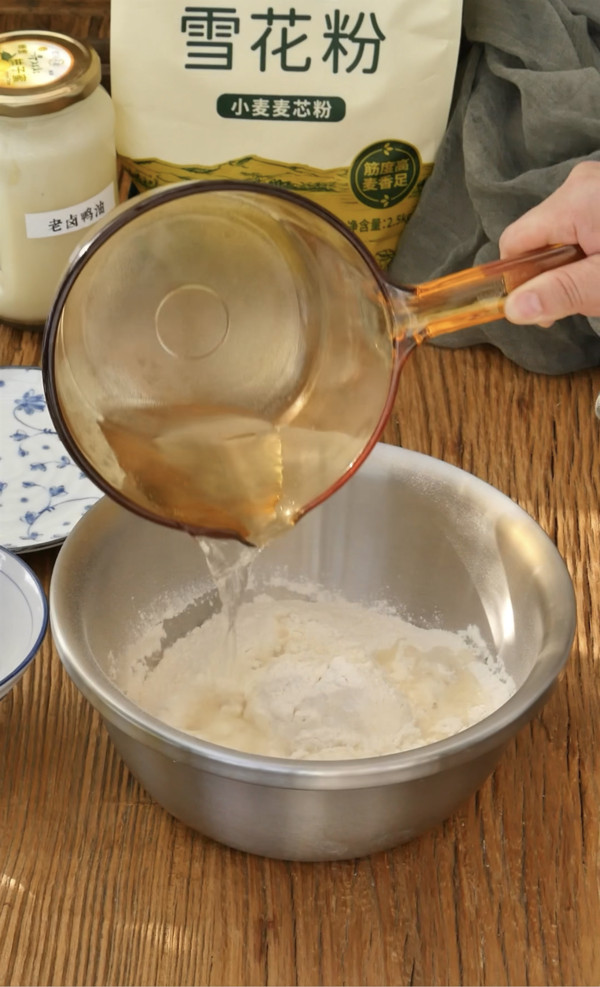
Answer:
(573, 289)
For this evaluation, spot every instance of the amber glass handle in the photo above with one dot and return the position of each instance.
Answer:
(476, 295)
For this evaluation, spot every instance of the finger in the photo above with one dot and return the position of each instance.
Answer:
(570, 215)
(549, 222)
(557, 294)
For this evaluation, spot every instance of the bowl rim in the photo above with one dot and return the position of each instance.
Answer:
(493, 732)
(31, 587)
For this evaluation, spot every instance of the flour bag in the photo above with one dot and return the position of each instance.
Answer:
(343, 101)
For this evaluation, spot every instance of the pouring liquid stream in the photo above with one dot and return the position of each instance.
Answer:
(229, 563)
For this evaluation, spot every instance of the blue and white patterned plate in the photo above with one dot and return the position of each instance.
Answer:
(43, 493)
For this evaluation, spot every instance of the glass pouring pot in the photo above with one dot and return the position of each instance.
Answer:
(222, 356)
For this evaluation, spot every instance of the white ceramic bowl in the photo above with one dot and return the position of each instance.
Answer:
(23, 618)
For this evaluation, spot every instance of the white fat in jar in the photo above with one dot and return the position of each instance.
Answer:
(58, 172)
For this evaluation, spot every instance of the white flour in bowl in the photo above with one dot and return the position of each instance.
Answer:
(319, 678)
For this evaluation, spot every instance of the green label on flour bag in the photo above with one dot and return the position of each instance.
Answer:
(213, 92)
(384, 174)
(295, 109)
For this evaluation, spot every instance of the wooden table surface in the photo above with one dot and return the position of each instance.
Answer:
(98, 885)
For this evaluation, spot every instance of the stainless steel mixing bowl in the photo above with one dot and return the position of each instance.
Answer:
(448, 549)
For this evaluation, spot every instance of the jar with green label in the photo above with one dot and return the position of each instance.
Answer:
(58, 170)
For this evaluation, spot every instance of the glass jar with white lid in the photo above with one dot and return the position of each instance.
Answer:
(58, 165)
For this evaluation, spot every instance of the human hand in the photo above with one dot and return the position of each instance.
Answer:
(570, 215)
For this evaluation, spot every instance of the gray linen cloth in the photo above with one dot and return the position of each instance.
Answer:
(526, 109)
